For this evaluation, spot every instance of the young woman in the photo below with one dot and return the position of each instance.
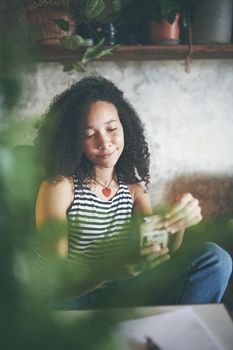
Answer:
(96, 163)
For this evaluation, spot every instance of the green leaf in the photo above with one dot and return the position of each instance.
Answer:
(94, 8)
(92, 51)
(97, 51)
(62, 23)
(69, 66)
(73, 42)
(169, 8)
(105, 52)
(79, 67)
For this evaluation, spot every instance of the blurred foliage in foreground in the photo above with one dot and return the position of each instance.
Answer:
(27, 298)
(27, 319)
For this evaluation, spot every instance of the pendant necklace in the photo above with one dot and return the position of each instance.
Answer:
(106, 189)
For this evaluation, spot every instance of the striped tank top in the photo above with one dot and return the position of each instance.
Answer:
(93, 221)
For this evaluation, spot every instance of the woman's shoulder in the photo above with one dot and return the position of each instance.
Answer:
(56, 193)
(53, 200)
(64, 184)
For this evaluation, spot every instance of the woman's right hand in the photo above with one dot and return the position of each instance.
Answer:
(150, 257)
(154, 255)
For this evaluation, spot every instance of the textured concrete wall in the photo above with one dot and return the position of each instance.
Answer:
(188, 120)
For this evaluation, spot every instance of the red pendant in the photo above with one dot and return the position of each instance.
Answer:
(106, 191)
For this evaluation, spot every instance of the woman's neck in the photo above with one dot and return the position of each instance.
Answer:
(104, 175)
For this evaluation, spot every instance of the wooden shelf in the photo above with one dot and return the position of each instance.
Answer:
(142, 52)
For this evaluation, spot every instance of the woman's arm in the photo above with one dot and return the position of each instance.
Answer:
(185, 211)
(52, 202)
(141, 199)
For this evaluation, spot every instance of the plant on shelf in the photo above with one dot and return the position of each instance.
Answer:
(87, 13)
(56, 21)
(98, 10)
(163, 17)
(44, 15)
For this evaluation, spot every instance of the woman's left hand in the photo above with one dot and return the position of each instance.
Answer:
(185, 212)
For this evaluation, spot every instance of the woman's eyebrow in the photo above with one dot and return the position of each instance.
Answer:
(108, 122)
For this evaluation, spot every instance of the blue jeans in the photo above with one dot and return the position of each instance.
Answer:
(197, 275)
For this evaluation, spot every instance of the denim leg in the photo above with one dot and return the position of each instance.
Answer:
(196, 275)
(208, 271)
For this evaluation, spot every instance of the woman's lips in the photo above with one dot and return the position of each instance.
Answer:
(105, 155)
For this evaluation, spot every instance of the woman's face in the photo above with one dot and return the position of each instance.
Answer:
(104, 135)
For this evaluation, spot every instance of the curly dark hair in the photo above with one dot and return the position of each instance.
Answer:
(61, 136)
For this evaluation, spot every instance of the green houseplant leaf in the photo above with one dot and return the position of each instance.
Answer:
(69, 66)
(97, 51)
(103, 11)
(62, 23)
(87, 12)
(94, 8)
(169, 9)
(73, 42)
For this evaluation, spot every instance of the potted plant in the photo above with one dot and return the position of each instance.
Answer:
(44, 17)
(164, 24)
(56, 21)
(89, 13)
(99, 17)
(163, 17)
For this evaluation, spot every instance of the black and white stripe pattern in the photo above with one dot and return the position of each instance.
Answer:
(97, 227)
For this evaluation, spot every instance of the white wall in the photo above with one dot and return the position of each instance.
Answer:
(188, 118)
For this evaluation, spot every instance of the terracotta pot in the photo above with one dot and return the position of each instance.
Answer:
(164, 32)
(47, 31)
